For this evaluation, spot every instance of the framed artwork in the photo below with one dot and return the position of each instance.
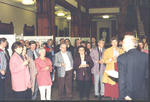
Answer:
(104, 34)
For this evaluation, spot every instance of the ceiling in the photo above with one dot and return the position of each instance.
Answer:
(18, 3)
(90, 4)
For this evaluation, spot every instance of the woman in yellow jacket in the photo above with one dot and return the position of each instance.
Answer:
(110, 59)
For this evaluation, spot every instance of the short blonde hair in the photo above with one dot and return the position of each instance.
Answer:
(41, 49)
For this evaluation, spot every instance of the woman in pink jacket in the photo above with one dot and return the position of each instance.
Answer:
(20, 76)
(44, 67)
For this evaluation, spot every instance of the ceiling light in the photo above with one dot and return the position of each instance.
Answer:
(68, 17)
(60, 13)
(28, 2)
(105, 16)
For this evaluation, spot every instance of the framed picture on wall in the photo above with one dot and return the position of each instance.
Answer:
(104, 34)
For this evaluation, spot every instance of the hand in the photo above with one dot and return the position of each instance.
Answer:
(2, 72)
(128, 98)
(63, 64)
(87, 65)
(25, 62)
(47, 68)
(100, 62)
(114, 59)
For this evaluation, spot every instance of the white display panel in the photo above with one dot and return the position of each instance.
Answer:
(11, 39)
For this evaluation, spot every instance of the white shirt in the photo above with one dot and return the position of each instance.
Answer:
(66, 61)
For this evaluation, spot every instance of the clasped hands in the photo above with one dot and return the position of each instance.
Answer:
(83, 65)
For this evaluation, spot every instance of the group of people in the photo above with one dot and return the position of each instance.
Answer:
(33, 67)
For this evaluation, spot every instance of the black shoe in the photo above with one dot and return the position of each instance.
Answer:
(96, 96)
(101, 96)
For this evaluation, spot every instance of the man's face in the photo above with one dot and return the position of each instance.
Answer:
(78, 42)
(50, 43)
(93, 40)
(101, 43)
(67, 42)
(33, 46)
(63, 48)
(61, 41)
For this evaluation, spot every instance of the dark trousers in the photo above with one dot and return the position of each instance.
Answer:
(23, 95)
(84, 88)
(2, 89)
(65, 85)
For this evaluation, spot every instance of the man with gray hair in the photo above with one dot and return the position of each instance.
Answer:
(64, 63)
(133, 71)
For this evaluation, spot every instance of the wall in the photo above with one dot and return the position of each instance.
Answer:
(18, 16)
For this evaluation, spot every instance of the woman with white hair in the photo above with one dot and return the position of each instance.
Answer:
(44, 67)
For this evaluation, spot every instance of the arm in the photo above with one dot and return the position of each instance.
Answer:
(50, 65)
(92, 54)
(16, 65)
(106, 58)
(3, 62)
(122, 80)
(90, 62)
(56, 62)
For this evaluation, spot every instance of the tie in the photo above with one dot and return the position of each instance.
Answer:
(33, 56)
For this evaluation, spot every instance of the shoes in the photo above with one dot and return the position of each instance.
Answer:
(101, 96)
(96, 96)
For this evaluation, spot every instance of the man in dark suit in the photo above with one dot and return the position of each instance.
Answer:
(133, 71)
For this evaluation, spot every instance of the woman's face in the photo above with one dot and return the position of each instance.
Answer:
(114, 43)
(19, 50)
(81, 51)
(42, 53)
(89, 46)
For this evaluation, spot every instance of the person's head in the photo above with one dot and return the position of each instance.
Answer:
(67, 42)
(17, 47)
(114, 41)
(140, 44)
(3, 42)
(27, 43)
(22, 42)
(44, 44)
(81, 50)
(77, 42)
(93, 40)
(129, 42)
(42, 52)
(144, 39)
(88, 45)
(37, 44)
(101, 43)
(32, 45)
(61, 41)
(24, 50)
(50, 42)
(83, 43)
(63, 48)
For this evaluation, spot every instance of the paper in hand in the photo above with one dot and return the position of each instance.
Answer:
(112, 73)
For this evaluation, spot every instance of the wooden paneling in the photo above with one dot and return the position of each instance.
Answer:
(6, 28)
(28, 30)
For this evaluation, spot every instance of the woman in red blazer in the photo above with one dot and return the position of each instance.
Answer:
(20, 76)
(44, 67)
